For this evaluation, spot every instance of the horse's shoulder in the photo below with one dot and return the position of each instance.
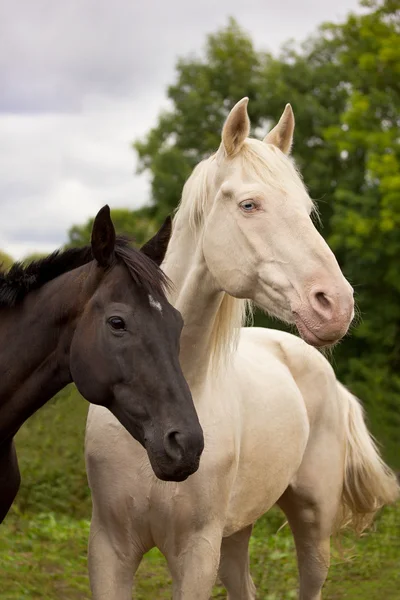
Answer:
(289, 349)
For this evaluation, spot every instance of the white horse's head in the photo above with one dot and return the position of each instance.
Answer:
(259, 241)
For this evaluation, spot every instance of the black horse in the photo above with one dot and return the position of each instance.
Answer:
(97, 316)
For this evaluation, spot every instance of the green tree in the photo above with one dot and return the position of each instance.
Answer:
(365, 226)
(138, 225)
(5, 261)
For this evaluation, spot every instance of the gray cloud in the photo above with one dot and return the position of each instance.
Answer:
(81, 79)
(53, 54)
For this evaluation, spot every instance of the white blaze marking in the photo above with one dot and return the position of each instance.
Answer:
(155, 303)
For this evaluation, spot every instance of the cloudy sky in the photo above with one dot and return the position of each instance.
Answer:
(79, 80)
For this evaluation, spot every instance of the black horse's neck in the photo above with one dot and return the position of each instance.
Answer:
(34, 351)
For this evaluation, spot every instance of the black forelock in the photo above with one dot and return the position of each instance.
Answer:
(143, 270)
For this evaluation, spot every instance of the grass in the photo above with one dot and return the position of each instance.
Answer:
(43, 540)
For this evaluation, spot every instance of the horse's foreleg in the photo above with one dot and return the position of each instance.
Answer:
(10, 477)
(113, 560)
(234, 568)
(194, 568)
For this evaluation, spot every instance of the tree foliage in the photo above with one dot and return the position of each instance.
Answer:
(5, 261)
(137, 225)
(365, 225)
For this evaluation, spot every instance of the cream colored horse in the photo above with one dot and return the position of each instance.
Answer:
(278, 426)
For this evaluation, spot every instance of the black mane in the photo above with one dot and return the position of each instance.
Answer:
(20, 279)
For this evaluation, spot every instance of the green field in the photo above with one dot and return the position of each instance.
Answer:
(43, 540)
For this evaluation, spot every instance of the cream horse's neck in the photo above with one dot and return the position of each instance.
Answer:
(197, 298)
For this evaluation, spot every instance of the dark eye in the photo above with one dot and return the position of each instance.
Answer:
(117, 323)
(248, 206)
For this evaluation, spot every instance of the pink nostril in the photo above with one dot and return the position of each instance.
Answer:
(322, 304)
(322, 300)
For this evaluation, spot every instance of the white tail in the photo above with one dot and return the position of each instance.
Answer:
(369, 483)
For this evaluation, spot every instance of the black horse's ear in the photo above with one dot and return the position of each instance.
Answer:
(156, 248)
(103, 237)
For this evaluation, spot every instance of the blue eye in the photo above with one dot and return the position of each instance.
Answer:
(248, 206)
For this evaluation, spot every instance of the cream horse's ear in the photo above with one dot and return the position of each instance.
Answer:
(236, 128)
(282, 134)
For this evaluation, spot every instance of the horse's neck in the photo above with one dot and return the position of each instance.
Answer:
(198, 300)
(34, 352)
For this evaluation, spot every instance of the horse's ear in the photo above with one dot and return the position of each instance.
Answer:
(103, 237)
(236, 128)
(282, 134)
(156, 247)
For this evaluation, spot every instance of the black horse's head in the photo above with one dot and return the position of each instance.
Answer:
(125, 350)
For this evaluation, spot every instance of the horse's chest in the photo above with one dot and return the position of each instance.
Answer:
(191, 505)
